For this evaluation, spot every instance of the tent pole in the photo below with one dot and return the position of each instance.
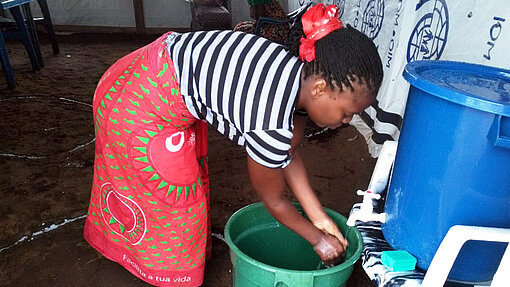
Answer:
(139, 17)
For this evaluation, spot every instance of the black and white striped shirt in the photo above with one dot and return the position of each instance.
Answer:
(243, 85)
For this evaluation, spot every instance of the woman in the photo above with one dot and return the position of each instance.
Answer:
(149, 199)
(266, 8)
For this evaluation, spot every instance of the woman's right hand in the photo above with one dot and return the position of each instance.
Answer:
(327, 225)
(330, 250)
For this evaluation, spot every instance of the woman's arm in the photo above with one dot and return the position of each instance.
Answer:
(297, 180)
(269, 185)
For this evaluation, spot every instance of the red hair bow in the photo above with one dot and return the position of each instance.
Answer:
(318, 21)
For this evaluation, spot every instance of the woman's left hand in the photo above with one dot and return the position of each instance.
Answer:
(327, 225)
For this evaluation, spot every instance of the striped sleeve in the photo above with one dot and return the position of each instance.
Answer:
(269, 148)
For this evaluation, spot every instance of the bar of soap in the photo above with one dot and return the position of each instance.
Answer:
(398, 260)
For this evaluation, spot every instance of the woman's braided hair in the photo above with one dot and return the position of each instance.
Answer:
(342, 56)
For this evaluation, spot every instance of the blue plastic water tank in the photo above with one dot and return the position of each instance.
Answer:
(452, 164)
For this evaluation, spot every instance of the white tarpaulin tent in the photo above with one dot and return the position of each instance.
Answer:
(157, 14)
(472, 31)
(476, 31)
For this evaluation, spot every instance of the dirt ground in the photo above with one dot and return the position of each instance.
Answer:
(46, 164)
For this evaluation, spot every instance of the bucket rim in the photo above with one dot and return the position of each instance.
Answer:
(345, 265)
(413, 75)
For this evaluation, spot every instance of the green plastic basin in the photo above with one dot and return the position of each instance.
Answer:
(265, 253)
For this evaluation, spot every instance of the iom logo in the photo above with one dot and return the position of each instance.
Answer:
(373, 18)
(428, 39)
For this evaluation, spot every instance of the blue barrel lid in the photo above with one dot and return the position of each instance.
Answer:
(476, 86)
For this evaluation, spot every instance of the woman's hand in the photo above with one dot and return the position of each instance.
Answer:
(327, 225)
(330, 250)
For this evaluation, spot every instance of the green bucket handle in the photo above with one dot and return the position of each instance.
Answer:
(288, 279)
(496, 135)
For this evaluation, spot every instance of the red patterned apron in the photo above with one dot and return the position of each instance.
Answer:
(150, 197)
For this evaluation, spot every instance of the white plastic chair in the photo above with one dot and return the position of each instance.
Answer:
(456, 237)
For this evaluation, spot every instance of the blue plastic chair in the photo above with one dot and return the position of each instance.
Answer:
(45, 20)
(25, 32)
(6, 65)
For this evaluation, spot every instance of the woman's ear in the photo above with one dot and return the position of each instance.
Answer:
(319, 87)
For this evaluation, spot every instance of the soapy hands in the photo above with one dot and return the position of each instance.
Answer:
(331, 248)
(328, 226)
